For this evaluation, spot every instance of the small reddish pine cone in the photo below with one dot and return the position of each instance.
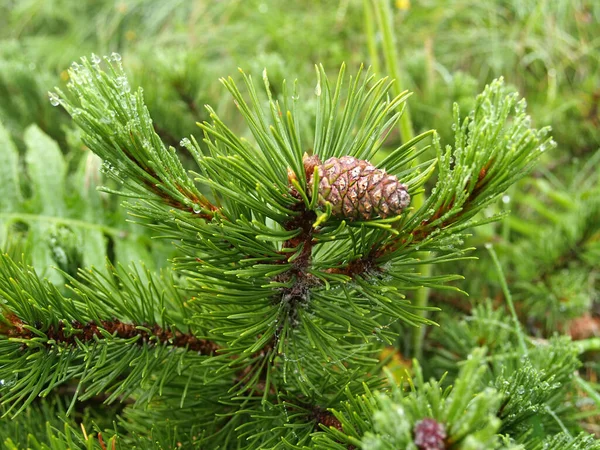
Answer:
(430, 435)
(356, 189)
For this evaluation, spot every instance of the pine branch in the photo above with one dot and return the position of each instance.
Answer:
(75, 333)
(86, 352)
(470, 412)
(49, 339)
(118, 128)
(494, 147)
(44, 425)
(565, 441)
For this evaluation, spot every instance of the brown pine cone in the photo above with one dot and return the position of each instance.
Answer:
(356, 189)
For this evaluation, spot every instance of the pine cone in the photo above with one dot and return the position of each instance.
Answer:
(430, 435)
(357, 189)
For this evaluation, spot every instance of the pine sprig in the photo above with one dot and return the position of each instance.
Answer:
(118, 127)
(45, 426)
(494, 403)
(161, 368)
(49, 339)
(494, 147)
(387, 422)
(564, 441)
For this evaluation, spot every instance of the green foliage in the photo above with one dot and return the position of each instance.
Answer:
(454, 339)
(514, 402)
(254, 213)
(564, 441)
(59, 219)
(466, 411)
(19, 75)
(266, 328)
(562, 283)
(55, 346)
(45, 426)
(536, 390)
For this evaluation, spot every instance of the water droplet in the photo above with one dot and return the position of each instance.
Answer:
(506, 199)
(54, 100)
(196, 208)
(184, 142)
(114, 56)
(96, 59)
(318, 89)
(488, 245)
(106, 167)
(520, 390)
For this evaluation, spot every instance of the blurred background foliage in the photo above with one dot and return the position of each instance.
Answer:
(178, 49)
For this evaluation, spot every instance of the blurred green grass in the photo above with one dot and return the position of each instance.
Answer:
(178, 49)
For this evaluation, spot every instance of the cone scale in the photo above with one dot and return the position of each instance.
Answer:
(355, 188)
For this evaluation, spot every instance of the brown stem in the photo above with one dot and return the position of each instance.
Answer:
(298, 292)
(167, 199)
(68, 335)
